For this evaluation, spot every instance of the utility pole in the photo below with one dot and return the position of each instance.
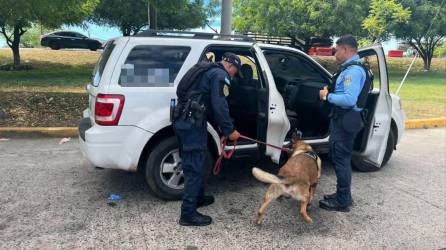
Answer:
(151, 11)
(226, 17)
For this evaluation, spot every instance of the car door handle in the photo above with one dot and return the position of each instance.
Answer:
(272, 108)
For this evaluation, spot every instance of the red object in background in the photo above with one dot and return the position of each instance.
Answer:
(311, 52)
(395, 53)
(324, 51)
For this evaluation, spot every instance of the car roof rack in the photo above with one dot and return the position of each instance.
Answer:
(276, 40)
(193, 35)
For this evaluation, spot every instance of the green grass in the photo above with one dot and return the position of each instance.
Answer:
(423, 94)
(52, 70)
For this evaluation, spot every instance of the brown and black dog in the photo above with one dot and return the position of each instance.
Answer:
(298, 178)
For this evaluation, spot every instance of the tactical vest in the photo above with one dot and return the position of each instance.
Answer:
(192, 104)
(368, 83)
(189, 81)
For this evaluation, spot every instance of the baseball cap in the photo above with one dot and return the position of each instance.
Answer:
(233, 59)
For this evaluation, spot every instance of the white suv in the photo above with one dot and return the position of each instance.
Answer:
(127, 124)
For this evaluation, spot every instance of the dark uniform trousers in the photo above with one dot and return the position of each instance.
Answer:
(193, 152)
(344, 126)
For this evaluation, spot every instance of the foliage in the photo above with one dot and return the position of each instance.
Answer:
(300, 18)
(17, 16)
(130, 16)
(440, 51)
(383, 15)
(426, 27)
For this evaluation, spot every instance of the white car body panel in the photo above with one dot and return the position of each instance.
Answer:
(146, 109)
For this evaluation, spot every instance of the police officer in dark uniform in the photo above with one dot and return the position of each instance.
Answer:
(346, 120)
(209, 96)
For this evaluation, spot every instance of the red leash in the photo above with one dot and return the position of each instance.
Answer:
(228, 155)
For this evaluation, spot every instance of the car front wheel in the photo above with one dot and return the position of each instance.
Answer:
(163, 171)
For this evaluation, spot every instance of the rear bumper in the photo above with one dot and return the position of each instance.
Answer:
(115, 147)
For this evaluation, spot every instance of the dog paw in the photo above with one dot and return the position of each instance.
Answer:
(308, 220)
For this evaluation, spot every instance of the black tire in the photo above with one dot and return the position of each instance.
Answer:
(362, 166)
(54, 46)
(155, 179)
(391, 142)
(93, 47)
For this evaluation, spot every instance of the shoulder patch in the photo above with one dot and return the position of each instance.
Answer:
(226, 90)
(347, 80)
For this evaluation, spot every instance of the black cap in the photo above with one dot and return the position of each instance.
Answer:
(233, 59)
(348, 40)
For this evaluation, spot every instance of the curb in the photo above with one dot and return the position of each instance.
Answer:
(73, 131)
(39, 131)
(426, 123)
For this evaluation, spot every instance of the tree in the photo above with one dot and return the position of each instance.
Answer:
(383, 15)
(17, 16)
(130, 16)
(300, 19)
(426, 27)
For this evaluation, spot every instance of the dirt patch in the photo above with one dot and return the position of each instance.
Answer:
(43, 109)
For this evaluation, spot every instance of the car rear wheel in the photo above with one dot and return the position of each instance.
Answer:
(54, 46)
(366, 167)
(163, 171)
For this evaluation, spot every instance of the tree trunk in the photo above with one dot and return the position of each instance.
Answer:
(16, 56)
(15, 45)
(427, 62)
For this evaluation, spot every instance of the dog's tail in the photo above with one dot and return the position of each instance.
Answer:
(265, 176)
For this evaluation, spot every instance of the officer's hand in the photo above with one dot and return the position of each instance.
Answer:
(323, 93)
(234, 135)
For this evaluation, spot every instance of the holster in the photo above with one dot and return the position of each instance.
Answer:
(192, 111)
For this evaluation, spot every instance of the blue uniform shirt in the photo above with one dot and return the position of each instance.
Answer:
(348, 86)
(213, 83)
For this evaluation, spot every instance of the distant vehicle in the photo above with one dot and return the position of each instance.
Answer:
(69, 39)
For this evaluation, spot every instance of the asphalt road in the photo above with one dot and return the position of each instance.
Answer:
(51, 197)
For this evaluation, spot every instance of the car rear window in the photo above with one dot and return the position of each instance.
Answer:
(100, 66)
(153, 66)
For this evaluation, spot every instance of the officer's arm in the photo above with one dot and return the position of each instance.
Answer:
(220, 105)
(351, 92)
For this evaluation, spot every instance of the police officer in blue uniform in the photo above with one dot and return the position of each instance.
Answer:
(209, 96)
(346, 120)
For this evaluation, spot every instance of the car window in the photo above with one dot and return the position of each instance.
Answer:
(79, 35)
(292, 67)
(371, 63)
(250, 61)
(152, 66)
(100, 66)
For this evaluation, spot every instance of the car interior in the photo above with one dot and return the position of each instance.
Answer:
(243, 99)
(297, 79)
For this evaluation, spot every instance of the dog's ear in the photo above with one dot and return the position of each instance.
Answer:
(296, 136)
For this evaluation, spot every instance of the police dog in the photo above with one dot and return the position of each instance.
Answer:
(298, 178)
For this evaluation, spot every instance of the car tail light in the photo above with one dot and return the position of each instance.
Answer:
(108, 109)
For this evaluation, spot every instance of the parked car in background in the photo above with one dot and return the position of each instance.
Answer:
(68, 39)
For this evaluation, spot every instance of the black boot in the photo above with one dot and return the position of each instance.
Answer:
(195, 219)
(330, 196)
(333, 205)
(205, 201)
